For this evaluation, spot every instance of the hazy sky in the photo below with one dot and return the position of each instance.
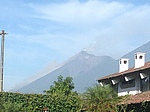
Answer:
(48, 32)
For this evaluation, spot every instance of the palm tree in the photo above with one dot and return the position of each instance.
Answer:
(100, 99)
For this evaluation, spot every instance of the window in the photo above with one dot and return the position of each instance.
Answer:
(115, 87)
(140, 57)
(145, 84)
(135, 56)
(127, 84)
(125, 62)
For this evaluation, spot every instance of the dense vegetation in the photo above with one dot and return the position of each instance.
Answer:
(61, 98)
(16, 102)
(101, 99)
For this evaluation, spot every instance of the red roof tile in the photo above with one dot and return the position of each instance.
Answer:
(130, 70)
(138, 98)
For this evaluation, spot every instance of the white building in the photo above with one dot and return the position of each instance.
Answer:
(130, 80)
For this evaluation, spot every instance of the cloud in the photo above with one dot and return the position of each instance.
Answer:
(46, 32)
(76, 12)
(100, 21)
(98, 26)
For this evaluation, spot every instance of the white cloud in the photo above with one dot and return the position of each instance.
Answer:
(111, 25)
(97, 23)
(39, 33)
(75, 12)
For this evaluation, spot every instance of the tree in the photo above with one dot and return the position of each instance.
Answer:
(100, 99)
(62, 98)
(59, 98)
(64, 86)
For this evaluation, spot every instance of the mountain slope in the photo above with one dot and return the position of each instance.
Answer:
(144, 48)
(83, 67)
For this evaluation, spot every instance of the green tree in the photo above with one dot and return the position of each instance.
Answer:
(100, 99)
(59, 98)
(62, 98)
(62, 86)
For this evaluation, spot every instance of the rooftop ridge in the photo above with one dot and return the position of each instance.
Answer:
(130, 70)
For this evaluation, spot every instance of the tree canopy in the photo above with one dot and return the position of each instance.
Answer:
(61, 86)
(62, 96)
(100, 99)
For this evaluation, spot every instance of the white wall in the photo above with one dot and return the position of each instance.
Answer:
(139, 62)
(123, 64)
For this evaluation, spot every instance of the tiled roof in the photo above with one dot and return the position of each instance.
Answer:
(138, 98)
(130, 70)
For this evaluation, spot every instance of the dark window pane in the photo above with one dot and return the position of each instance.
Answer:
(145, 84)
(127, 84)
